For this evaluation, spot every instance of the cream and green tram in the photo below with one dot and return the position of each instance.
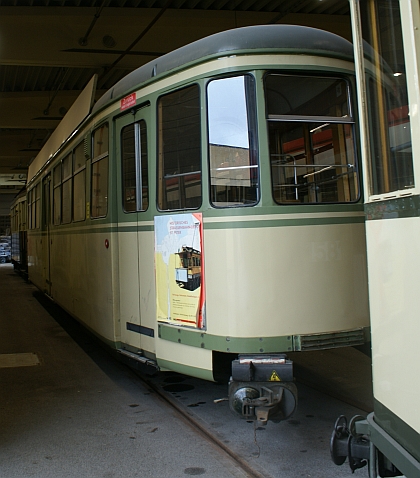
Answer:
(387, 53)
(240, 147)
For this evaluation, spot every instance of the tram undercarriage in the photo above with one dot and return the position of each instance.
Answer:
(262, 388)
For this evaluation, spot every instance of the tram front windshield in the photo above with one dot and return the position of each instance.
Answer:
(311, 139)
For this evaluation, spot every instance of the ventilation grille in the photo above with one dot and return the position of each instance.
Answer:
(349, 338)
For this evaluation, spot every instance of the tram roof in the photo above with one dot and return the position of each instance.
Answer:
(266, 38)
(262, 38)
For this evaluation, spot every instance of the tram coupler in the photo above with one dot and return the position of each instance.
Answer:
(352, 441)
(347, 443)
(262, 388)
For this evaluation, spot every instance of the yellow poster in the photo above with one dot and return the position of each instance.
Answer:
(179, 267)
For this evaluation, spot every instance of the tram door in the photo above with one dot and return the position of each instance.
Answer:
(46, 226)
(133, 234)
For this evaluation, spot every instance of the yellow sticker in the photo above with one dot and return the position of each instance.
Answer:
(274, 377)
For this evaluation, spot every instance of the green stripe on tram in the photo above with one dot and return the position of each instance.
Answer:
(398, 429)
(245, 223)
(201, 373)
(312, 221)
(200, 339)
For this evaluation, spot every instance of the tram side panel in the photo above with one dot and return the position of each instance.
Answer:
(130, 291)
(290, 280)
(395, 324)
(81, 279)
(35, 262)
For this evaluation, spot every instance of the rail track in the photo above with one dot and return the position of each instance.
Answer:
(294, 448)
(297, 447)
(194, 421)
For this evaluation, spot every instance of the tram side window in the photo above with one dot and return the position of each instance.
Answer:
(79, 183)
(391, 159)
(29, 205)
(57, 194)
(66, 189)
(311, 139)
(99, 187)
(37, 206)
(23, 216)
(134, 162)
(34, 207)
(179, 150)
(232, 141)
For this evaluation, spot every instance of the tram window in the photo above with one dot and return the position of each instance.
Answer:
(303, 96)
(29, 209)
(128, 163)
(34, 207)
(79, 183)
(232, 141)
(134, 163)
(66, 189)
(179, 150)
(311, 140)
(79, 159)
(23, 216)
(57, 194)
(30, 199)
(99, 187)
(37, 206)
(391, 159)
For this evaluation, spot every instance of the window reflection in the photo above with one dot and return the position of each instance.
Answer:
(179, 144)
(232, 148)
(391, 161)
(134, 167)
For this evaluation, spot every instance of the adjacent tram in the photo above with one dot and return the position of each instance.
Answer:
(18, 226)
(243, 147)
(387, 53)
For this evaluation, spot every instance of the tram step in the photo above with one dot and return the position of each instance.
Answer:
(139, 362)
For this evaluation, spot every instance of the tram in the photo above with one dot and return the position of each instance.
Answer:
(241, 147)
(386, 36)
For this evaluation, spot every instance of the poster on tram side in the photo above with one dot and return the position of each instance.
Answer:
(179, 269)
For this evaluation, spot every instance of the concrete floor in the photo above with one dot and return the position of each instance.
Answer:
(79, 413)
(69, 409)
